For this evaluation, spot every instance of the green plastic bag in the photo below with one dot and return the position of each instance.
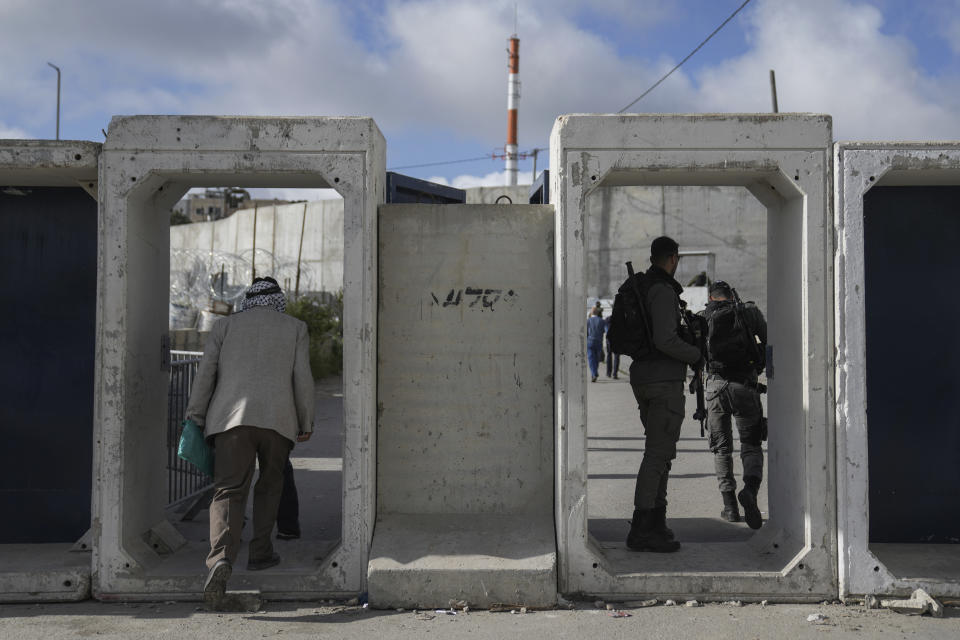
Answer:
(194, 448)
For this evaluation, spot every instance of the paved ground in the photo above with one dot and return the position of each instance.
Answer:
(310, 620)
(615, 441)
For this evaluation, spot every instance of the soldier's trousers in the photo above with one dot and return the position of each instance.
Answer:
(725, 399)
(661, 412)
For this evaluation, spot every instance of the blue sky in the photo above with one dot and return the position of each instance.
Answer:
(432, 73)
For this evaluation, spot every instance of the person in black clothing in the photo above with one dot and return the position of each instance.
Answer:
(731, 389)
(288, 515)
(657, 382)
(613, 359)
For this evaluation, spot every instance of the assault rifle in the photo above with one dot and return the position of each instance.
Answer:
(758, 358)
(643, 304)
(697, 331)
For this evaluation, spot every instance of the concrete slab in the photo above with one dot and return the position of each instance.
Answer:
(43, 573)
(49, 163)
(867, 568)
(46, 572)
(465, 392)
(147, 165)
(783, 161)
(426, 560)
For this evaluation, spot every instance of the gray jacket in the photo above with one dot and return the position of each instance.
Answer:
(672, 354)
(255, 371)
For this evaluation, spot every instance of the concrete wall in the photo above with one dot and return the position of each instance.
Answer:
(621, 222)
(277, 242)
(728, 222)
(783, 161)
(519, 194)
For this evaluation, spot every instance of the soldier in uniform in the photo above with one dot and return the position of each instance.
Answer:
(734, 359)
(657, 382)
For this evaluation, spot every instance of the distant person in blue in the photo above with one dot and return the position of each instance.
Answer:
(613, 359)
(596, 327)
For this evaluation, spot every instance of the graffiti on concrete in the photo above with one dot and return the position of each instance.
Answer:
(471, 297)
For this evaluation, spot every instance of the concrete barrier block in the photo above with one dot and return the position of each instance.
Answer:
(34, 220)
(465, 433)
(148, 163)
(870, 173)
(783, 160)
(425, 560)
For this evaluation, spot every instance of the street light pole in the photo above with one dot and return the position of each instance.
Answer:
(58, 97)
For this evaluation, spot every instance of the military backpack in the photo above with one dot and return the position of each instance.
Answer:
(629, 332)
(731, 346)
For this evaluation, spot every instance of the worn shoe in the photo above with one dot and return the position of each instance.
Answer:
(593, 379)
(643, 535)
(751, 513)
(660, 522)
(263, 563)
(731, 512)
(216, 585)
(288, 535)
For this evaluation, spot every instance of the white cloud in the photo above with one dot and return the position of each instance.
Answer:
(8, 133)
(495, 179)
(431, 64)
(832, 56)
(439, 66)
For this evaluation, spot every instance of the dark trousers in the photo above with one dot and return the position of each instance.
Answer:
(661, 412)
(613, 362)
(742, 402)
(237, 450)
(288, 515)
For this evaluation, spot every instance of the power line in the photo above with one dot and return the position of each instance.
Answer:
(523, 155)
(436, 164)
(689, 55)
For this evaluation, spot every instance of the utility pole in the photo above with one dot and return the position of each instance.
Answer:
(58, 97)
(254, 240)
(773, 90)
(303, 225)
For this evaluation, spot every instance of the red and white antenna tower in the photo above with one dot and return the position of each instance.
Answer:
(513, 101)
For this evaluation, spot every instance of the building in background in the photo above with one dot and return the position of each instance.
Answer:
(215, 204)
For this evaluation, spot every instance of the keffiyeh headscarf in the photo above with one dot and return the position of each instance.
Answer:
(264, 292)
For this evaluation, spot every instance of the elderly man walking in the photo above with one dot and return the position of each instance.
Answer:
(254, 396)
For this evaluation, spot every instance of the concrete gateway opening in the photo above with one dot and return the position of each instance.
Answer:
(898, 446)
(149, 163)
(782, 161)
(722, 232)
(221, 238)
(48, 253)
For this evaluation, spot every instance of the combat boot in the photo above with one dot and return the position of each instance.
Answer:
(731, 512)
(644, 536)
(748, 498)
(660, 522)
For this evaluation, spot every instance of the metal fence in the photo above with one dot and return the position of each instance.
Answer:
(183, 479)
